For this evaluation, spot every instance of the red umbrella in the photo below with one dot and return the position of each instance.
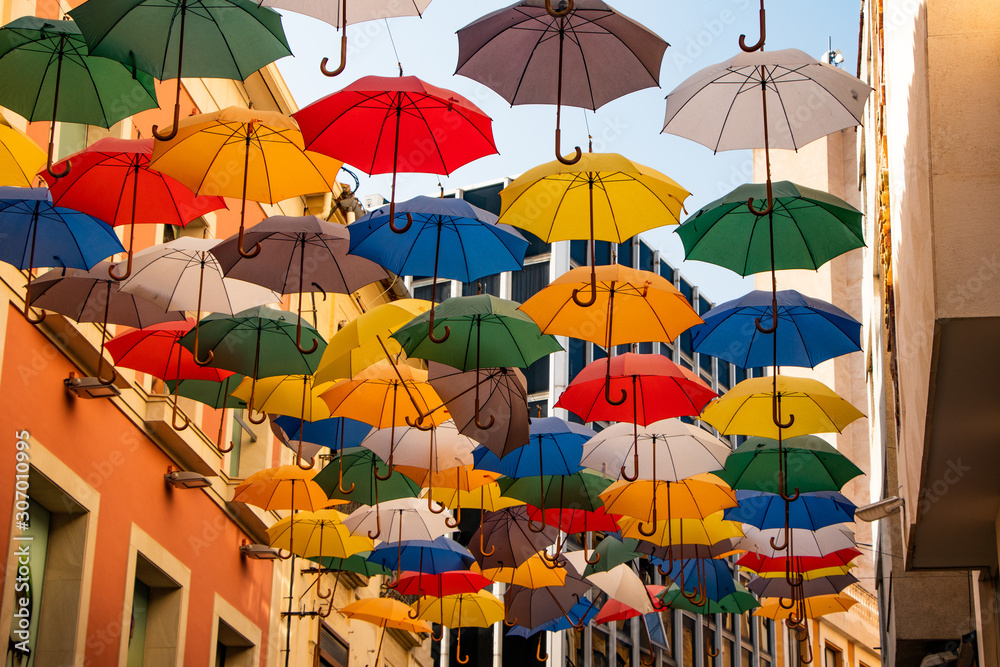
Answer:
(760, 564)
(387, 125)
(440, 585)
(155, 350)
(111, 180)
(659, 388)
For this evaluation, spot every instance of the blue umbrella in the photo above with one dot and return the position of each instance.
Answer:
(811, 331)
(710, 578)
(485, 459)
(555, 447)
(335, 432)
(447, 238)
(811, 511)
(36, 233)
(428, 556)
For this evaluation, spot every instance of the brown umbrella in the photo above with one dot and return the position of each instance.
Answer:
(504, 538)
(530, 607)
(503, 402)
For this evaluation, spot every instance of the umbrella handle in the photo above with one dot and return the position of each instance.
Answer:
(538, 652)
(299, 460)
(510, 624)
(255, 421)
(392, 220)
(49, 167)
(414, 614)
(767, 209)
(435, 637)
(570, 160)
(128, 262)
(225, 450)
(282, 556)
(343, 46)
(586, 558)
(531, 524)
(652, 530)
(430, 330)
(634, 477)
(173, 419)
(791, 498)
(593, 294)
(776, 419)
(607, 392)
(417, 424)
(378, 526)
(298, 339)
(553, 562)
(783, 546)
(458, 519)
(430, 505)
(110, 381)
(774, 323)
(794, 580)
(458, 649)
(712, 652)
(781, 603)
(248, 254)
(487, 425)
(482, 550)
(760, 43)
(557, 13)
(172, 132)
(325, 614)
(30, 318)
(340, 478)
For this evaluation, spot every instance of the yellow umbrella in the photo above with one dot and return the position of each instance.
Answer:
(487, 497)
(366, 340)
(813, 574)
(618, 197)
(532, 573)
(815, 607)
(386, 395)
(710, 530)
(692, 498)
(753, 407)
(318, 535)
(465, 610)
(20, 158)
(245, 154)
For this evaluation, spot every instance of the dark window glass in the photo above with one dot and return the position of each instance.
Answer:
(578, 252)
(442, 292)
(703, 305)
(646, 258)
(645, 348)
(598, 352)
(486, 197)
(687, 290)
(602, 252)
(687, 631)
(577, 356)
(686, 348)
(537, 376)
(625, 253)
(741, 374)
(527, 283)
(536, 246)
(705, 361)
(723, 372)
(666, 271)
(490, 285)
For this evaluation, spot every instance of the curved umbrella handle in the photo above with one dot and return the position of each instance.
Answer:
(430, 505)
(586, 558)
(414, 614)
(340, 478)
(458, 649)
(197, 347)
(224, 449)
(299, 460)
(510, 624)
(783, 546)
(480, 425)
(172, 132)
(593, 293)
(250, 416)
(774, 414)
(248, 254)
(173, 419)
(792, 498)
(482, 549)
(566, 160)
(30, 318)
(436, 637)
(114, 374)
(325, 613)
(388, 467)
(712, 652)
(794, 580)
(392, 220)
(760, 42)
(557, 13)
(418, 424)
(551, 562)
(781, 603)
(760, 213)
(622, 472)
(49, 167)
(378, 526)
(343, 46)
(298, 338)
(282, 556)
(774, 323)
(607, 392)
(538, 651)
(430, 329)
(458, 518)
(128, 264)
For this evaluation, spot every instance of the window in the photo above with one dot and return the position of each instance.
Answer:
(687, 628)
(156, 611)
(578, 253)
(577, 356)
(487, 198)
(666, 271)
(529, 282)
(424, 291)
(599, 650)
(489, 285)
(331, 650)
(623, 644)
(646, 260)
(232, 649)
(625, 253)
(602, 252)
(537, 376)
(832, 656)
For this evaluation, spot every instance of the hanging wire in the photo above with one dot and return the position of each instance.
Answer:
(399, 63)
(590, 138)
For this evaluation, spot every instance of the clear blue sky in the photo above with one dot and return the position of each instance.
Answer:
(700, 34)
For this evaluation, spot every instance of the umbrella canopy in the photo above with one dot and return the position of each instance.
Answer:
(427, 556)
(720, 106)
(544, 455)
(582, 613)
(438, 449)
(806, 542)
(386, 395)
(282, 488)
(532, 573)
(612, 552)
(806, 229)
(440, 585)
(735, 603)
(811, 331)
(810, 510)
(20, 158)
(581, 490)
(336, 432)
(292, 395)
(398, 520)
(350, 12)
(465, 478)
(622, 198)
(358, 563)
(816, 606)
(817, 465)
(157, 350)
(746, 409)
(485, 497)
(316, 535)
(462, 610)
(354, 479)
(618, 583)
(777, 587)
(694, 498)
(532, 607)
(667, 450)
(448, 238)
(721, 549)
(766, 565)
(675, 534)
(504, 538)
(366, 340)
(184, 275)
(658, 388)
(712, 578)
(214, 394)
(575, 521)
(385, 613)
(504, 403)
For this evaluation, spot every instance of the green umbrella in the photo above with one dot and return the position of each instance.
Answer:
(613, 552)
(259, 342)
(358, 482)
(734, 603)
(224, 39)
(810, 227)
(811, 462)
(357, 563)
(488, 333)
(211, 393)
(44, 62)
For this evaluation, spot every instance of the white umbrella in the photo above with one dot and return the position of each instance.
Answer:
(668, 450)
(400, 520)
(621, 583)
(804, 542)
(721, 106)
(440, 448)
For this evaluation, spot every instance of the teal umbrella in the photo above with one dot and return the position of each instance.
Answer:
(214, 395)
(812, 463)
(221, 39)
(488, 333)
(353, 479)
(44, 62)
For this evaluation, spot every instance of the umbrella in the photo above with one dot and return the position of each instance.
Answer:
(544, 454)
(385, 613)
(336, 14)
(440, 585)
(810, 510)
(618, 583)
(513, 339)
(504, 403)
(245, 154)
(814, 331)
(582, 613)
(373, 397)
(37, 233)
(317, 534)
(43, 58)
(258, 342)
(93, 296)
(660, 389)
(365, 340)
(806, 229)
(157, 350)
(553, 199)
(807, 542)
(519, 52)
(612, 551)
(290, 244)
(465, 241)
(696, 497)
(684, 451)
(510, 541)
(648, 308)
(817, 465)
(215, 394)
(20, 158)
(815, 408)
(781, 564)
(428, 556)
(463, 610)
(229, 39)
(675, 534)
(814, 574)
(400, 520)
(532, 573)
(334, 432)
(391, 124)
(815, 606)
(485, 497)
(777, 587)
(360, 468)
(721, 549)
(708, 578)
(532, 607)
(735, 603)
(112, 176)
(358, 563)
